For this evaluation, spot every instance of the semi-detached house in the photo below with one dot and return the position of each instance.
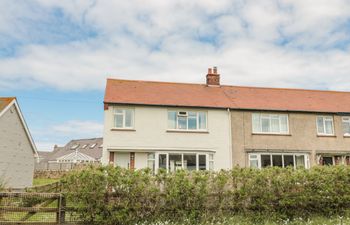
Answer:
(212, 126)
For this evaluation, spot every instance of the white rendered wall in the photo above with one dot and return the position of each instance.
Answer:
(150, 134)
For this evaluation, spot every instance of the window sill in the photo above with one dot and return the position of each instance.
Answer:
(271, 134)
(122, 129)
(188, 131)
(346, 136)
(326, 135)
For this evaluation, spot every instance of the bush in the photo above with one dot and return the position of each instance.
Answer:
(107, 195)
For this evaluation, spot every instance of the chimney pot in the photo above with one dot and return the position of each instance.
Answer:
(213, 78)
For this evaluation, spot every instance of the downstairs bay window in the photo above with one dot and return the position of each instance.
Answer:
(171, 161)
(332, 159)
(261, 160)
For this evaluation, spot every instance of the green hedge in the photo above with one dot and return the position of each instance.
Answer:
(117, 196)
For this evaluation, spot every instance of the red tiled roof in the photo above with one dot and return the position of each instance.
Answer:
(5, 102)
(234, 97)
(164, 93)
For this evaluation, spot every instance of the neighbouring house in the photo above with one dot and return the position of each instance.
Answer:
(17, 149)
(213, 126)
(75, 152)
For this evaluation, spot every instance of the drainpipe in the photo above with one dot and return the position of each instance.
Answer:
(230, 137)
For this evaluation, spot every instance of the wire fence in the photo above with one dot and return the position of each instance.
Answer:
(35, 208)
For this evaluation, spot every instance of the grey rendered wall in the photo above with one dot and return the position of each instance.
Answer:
(16, 153)
(302, 138)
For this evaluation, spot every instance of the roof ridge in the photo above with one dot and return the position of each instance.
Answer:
(157, 82)
(81, 139)
(291, 89)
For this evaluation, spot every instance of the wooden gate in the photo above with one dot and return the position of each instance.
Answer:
(32, 208)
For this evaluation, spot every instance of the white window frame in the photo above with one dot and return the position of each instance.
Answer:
(345, 119)
(306, 158)
(325, 118)
(123, 109)
(187, 116)
(182, 159)
(269, 116)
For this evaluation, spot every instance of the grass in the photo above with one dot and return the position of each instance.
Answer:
(43, 181)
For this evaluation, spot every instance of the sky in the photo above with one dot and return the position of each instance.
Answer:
(55, 55)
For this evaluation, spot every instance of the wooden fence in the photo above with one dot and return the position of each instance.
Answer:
(34, 208)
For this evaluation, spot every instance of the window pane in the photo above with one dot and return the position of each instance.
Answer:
(284, 123)
(320, 128)
(254, 163)
(162, 161)
(275, 124)
(192, 123)
(347, 160)
(329, 126)
(265, 160)
(151, 156)
(265, 123)
(202, 162)
(277, 160)
(172, 120)
(119, 111)
(288, 160)
(256, 123)
(211, 157)
(327, 160)
(300, 161)
(211, 165)
(182, 122)
(151, 164)
(175, 162)
(118, 121)
(128, 118)
(337, 160)
(190, 161)
(193, 114)
(346, 126)
(202, 120)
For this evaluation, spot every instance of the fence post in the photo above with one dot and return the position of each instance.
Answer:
(61, 213)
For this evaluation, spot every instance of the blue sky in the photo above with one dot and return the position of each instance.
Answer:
(55, 55)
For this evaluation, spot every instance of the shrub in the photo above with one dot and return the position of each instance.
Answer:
(107, 195)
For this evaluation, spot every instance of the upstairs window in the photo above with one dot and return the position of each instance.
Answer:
(346, 126)
(325, 125)
(123, 118)
(187, 120)
(270, 123)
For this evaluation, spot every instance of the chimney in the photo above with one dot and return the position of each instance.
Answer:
(213, 78)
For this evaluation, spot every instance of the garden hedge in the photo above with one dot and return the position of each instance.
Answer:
(108, 195)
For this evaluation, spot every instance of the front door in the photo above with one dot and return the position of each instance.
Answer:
(122, 159)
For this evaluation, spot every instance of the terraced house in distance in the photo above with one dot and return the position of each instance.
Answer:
(214, 126)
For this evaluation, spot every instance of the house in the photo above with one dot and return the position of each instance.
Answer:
(166, 125)
(214, 126)
(75, 152)
(17, 148)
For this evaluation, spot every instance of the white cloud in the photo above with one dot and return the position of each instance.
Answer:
(178, 40)
(61, 133)
(79, 129)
